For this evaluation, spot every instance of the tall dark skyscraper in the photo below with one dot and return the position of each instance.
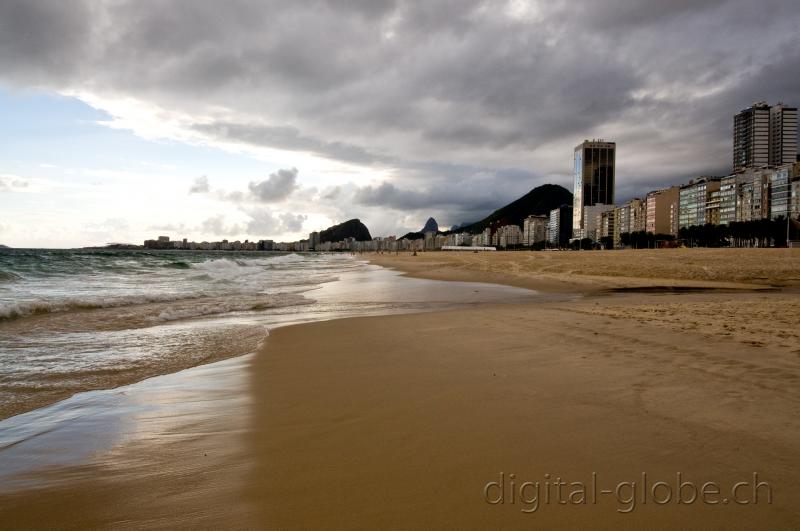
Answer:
(751, 137)
(764, 136)
(782, 135)
(595, 163)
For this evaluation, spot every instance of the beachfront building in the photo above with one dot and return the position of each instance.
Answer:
(164, 243)
(794, 199)
(622, 223)
(712, 207)
(752, 201)
(313, 241)
(534, 229)
(433, 241)
(628, 218)
(638, 215)
(591, 217)
(661, 211)
(784, 182)
(728, 192)
(782, 135)
(430, 241)
(780, 192)
(594, 173)
(507, 236)
(606, 222)
(745, 196)
(693, 199)
(459, 240)
(484, 239)
(560, 226)
(751, 137)
(764, 135)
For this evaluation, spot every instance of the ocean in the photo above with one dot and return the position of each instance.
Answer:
(80, 320)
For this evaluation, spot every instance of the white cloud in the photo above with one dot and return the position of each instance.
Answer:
(277, 187)
(200, 186)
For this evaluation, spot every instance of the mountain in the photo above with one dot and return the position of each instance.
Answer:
(349, 229)
(539, 201)
(430, 226)
(4, 247)
(412, 236)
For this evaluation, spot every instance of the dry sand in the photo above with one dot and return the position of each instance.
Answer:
(399, 422)
(592, 271)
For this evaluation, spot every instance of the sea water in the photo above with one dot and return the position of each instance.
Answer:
(79, 320)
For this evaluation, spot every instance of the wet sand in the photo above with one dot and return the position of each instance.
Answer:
(399, 422)
(166, 453)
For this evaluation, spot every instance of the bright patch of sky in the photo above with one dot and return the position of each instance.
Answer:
(68, 179)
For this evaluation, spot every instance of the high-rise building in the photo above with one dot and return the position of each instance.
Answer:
(713, 205)
(313, 241)
(794, 195)
(591, 221)
(560, 226)
(594, 171)
(782, 195)
(507, 236)
(622, 220)
(782, 135)
(534, 229)
(752, 201)
(728, 191)
(751, 145)
(764, 136)
(606, 225)
(662, 211)
(745, 196)
(693, 201)
(638, 215)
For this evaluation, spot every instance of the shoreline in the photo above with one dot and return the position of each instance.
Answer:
(400, 420)
(229, 335)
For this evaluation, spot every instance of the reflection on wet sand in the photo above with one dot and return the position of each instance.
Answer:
(173, 450)
(161, 453)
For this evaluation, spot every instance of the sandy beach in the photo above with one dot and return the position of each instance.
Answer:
(402, 421)
(565, 271)
(449, 419)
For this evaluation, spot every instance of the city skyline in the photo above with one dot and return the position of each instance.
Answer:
(757, 189)
(235, 127)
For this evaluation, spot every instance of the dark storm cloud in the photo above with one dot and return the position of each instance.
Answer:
(288, 138)
(443, 94)
(44, 41)
(451, 201)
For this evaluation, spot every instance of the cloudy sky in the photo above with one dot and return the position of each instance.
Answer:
(123, 119)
